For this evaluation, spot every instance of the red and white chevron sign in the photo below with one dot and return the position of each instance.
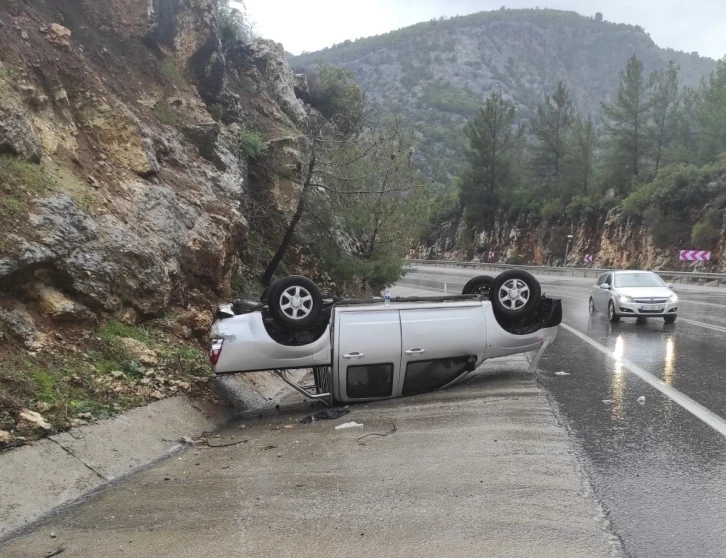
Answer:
(695, 256)
(588, 258)
(491, 255)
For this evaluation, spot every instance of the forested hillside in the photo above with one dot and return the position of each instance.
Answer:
(438, 73)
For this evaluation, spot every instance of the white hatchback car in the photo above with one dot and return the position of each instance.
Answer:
(634, 294)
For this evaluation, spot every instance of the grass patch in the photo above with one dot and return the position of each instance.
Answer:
(11, 204)
(117, 329)
(170, 75)
(165, 113)
(24, 175)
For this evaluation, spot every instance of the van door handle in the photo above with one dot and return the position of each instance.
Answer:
(415, 352)
(354, 356)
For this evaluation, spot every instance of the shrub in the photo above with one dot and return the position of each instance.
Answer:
(552, 210)
(216, 111)
(250, 143)
(165, 113)
(170, 75)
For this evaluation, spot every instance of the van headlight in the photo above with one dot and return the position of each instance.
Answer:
(625, 298)
(673, 298)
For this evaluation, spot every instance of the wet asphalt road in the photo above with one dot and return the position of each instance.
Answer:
(658, 471)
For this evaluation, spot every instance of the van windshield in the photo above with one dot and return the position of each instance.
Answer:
(638, 280)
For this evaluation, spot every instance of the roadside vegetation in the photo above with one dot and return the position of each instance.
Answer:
(659, 157)
(118, 367)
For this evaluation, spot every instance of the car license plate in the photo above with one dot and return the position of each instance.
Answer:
(652, 307)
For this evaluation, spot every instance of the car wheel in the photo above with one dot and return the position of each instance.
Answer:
(295, 302)
(481, 285)
(670, 319)
(515, 294)
(591, 306)
(612, 316)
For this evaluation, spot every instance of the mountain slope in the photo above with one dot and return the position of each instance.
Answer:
(438, 72)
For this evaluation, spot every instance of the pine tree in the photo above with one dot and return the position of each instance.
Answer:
(550, 126)
(492, 139)
(580, 158)
(626, 119)
(711, 116)
(665, 106)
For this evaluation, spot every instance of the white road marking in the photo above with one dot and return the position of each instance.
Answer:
(696, 409)
(701, 324)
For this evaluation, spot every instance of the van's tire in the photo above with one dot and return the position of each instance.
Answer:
(481, 285)
(670, 319)
(515, 294)
(295, 302)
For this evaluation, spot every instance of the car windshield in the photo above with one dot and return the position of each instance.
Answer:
(638, 280)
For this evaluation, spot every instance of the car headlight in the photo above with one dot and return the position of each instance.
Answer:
(673, 298)
(625, 298)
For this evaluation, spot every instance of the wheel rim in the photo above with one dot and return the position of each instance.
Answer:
(514, 294)
(592, 306)
(611, 310)
(296, 303)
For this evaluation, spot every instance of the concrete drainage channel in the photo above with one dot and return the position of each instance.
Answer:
(49, 475)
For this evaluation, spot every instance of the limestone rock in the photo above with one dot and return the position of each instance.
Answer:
(19, 325)
(30, 422)
(140, 351)
(302, 90)
(268, 59)
(59, 35)
(18, 136)
(5, 437)
(61, 308)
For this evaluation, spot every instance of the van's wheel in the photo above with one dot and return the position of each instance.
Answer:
(295, 302)
(515, 294)
(481, 285)
(670, 319)
(591, 306)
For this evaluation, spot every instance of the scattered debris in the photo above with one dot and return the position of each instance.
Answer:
(607, 401)
(187, 441)
(52, 534)
(562, 373)
(30, 421)
(391, 431)
(268, 448)
(325, 414)
(205, 437)
(55, 553)
(347, 425)
(641, 399)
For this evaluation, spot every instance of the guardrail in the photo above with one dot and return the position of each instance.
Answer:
(683, 277)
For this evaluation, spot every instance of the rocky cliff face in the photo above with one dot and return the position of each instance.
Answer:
(127, 205)
(613, 241)
(120, 190)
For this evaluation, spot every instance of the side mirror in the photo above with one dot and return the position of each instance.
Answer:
(669, 285)
(605, 287)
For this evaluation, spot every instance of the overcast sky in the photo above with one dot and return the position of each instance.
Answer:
(309, 25)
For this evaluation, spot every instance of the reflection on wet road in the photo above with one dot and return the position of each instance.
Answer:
(658, 469)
